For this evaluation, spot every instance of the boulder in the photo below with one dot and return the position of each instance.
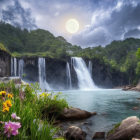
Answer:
(15, 80)
(135, 108)
(74, 114)
(74, 133)
(99, 135)
(128, 129)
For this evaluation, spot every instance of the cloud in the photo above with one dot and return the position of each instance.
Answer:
(16, 15)
(132, 33)
(101, 21)
(108, 24)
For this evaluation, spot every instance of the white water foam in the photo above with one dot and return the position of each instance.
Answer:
(84, 78)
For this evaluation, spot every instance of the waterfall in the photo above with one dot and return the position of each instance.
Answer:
(42, 75)
(90, 68)
(84, 79)
(68, 76)
(15, 66)
(12, 67)
(20, 67)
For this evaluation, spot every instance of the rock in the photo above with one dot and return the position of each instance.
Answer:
(74, 133)
(135, 108)
(74, 114)
(57, 121)
(15, 80)
(84, 123)
(99, 135)
(94, 113)
(128, 129)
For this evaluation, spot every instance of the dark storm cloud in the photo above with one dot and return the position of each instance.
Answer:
(114, 24)
(101, 21)
(18, 16)
(132, 33)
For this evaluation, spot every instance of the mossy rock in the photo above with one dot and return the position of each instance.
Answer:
(113, 130)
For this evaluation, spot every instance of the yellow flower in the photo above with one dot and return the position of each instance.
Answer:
(6, 109)
(8, 102)
(5, 105)
(60, 93)
(10, 95)
(3, 93)
(48, 94)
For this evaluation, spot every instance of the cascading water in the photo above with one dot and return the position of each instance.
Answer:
(84, 79)
(42, 75)
(90, 68)
(15, 66)
(68, 76)
(12, 67)
(20, 67)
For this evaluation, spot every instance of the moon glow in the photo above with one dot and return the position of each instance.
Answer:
(72, 26)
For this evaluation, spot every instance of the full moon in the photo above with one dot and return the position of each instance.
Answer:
(72, 26)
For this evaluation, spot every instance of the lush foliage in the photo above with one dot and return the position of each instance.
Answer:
(118, 56)
(22, 119)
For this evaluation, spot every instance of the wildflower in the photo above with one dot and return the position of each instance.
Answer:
(48, 94)
(18, 118)
(3, 93)
(14, 116)
(60, 93)
(5, 105)
(8, 102)
(6, 109)
(11, 128)
(10, 95)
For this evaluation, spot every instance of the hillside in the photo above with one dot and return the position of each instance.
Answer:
(118, 56)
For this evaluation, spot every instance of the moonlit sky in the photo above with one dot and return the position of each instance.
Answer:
(101, 21)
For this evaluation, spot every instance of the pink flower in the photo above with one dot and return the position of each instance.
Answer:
(11, 128)
(13, 115)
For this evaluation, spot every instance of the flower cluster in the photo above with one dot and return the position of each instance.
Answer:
(44, 94)
(6, 105)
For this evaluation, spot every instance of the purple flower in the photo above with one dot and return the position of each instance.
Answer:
(11, 128)
(13, 115)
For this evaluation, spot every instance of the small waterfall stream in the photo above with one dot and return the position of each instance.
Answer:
(15, 66)
(68, 76)
(12, 66)
(84, 78)
(42, 75)
(90, 68)
(20, 67)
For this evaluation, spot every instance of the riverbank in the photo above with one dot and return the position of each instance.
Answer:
(34, 112)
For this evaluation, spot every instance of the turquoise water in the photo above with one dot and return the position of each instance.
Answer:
(111, 105)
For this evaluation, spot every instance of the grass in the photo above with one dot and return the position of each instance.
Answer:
(111, 131)
(31, 111)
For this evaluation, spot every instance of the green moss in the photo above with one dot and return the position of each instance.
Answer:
(111, 131)
(2, 47)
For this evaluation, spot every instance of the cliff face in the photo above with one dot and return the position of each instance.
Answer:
(31, 68)
(104, 78)
(5, 64)
(56, 72)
